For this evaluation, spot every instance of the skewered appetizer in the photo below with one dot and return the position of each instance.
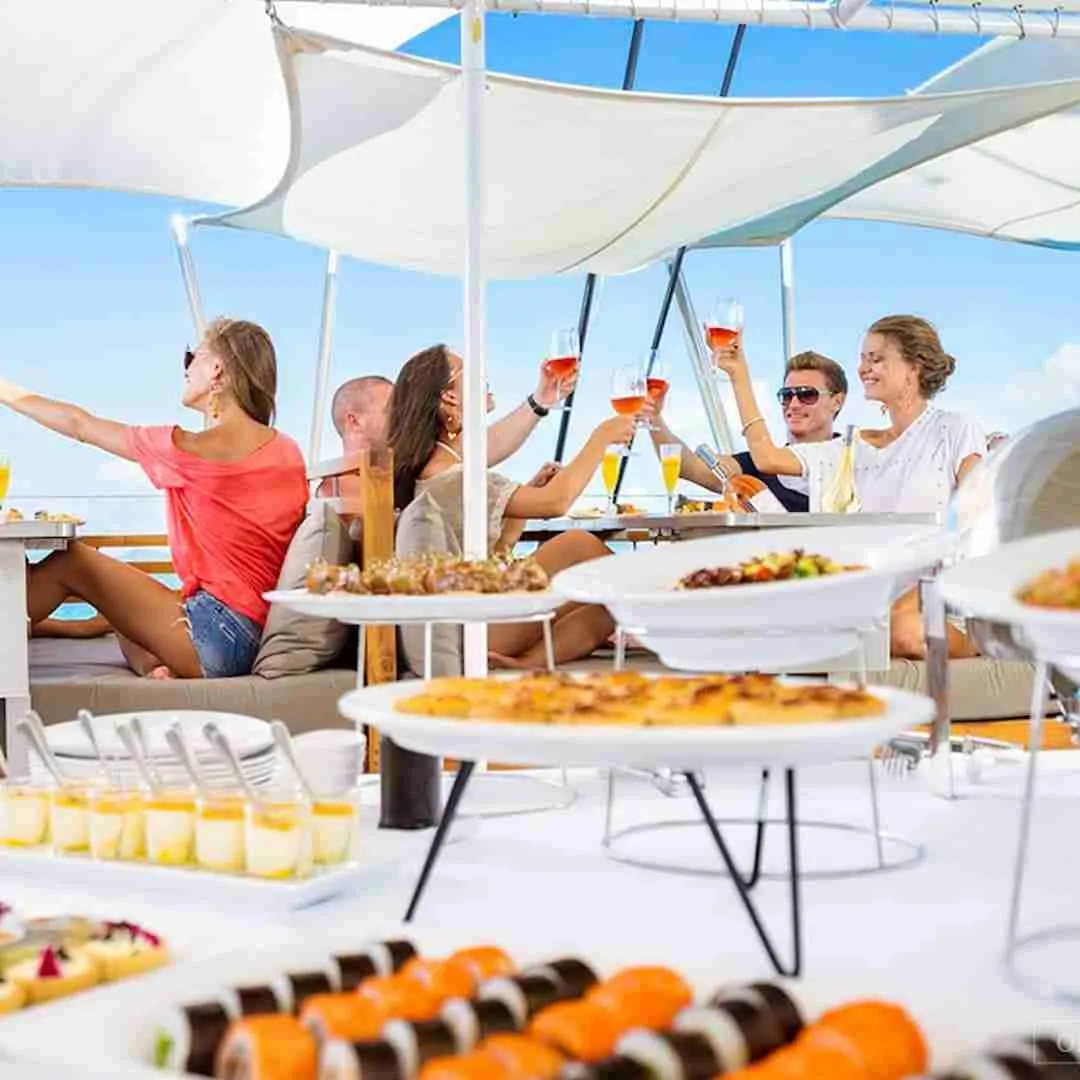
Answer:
(775, 566)
(1054, 589)
(429, 575)
(632, 699)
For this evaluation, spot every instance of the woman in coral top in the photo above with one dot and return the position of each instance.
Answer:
(235, 493)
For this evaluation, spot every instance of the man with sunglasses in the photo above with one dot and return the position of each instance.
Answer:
(812, 396)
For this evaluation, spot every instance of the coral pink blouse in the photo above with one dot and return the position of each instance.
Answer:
(229, 522)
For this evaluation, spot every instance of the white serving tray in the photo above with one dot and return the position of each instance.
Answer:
(378, 850)
(758, 627)
(516, 743)
(444, 607)
(985, 587)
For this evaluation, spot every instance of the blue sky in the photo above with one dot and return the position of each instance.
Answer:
(92, 308)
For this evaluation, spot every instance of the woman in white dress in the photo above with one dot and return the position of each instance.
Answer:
(912, 466)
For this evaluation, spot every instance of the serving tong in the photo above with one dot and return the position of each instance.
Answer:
(901, 755)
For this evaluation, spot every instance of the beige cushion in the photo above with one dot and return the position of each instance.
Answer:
(421, 530)
(294, 644)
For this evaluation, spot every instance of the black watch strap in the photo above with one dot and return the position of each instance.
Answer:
(536, 406)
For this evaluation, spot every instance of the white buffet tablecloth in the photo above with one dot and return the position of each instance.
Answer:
(929, 937)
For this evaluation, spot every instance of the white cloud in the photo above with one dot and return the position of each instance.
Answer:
(118, 475)
(1055, 386)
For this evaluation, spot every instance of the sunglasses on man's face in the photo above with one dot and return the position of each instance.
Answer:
(807, 395)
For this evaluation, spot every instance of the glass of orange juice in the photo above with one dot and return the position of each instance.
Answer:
(609, 471)
(670, 466)
(5, 476)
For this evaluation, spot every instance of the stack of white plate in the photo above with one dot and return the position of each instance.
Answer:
(331, 760)
(250, 738)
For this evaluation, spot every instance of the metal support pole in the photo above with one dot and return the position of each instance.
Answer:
(326, 351)
(787, 297)
(590, 281)
(676, 264)
(474, 388)
(702, 367)
(179, 225)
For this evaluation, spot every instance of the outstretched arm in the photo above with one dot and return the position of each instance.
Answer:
(506, 436)
(69, 420)
(768, 457)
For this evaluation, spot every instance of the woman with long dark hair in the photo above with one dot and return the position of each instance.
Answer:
(235, 493)
(424, 434)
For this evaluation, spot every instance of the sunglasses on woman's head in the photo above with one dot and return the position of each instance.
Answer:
(807, 395)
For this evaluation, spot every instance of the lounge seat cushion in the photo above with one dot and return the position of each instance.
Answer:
(69, 675)
(295, 644)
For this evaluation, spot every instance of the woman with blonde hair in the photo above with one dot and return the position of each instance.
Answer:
(424, 433)
(912, 466)
(235, 493)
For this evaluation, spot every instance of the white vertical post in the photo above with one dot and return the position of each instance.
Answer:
(326, 352)
(474, 390)
(179, 226)
(787, 297)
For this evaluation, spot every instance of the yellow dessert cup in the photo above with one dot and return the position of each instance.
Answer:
(277, 836)
(117, 824)
(219, 832)
(170, 827)
(24, 813)
(333, 830)
(69, 818)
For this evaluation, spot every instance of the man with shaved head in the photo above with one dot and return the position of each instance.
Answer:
(359, 414)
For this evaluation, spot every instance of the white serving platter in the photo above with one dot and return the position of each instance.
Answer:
(759, 627)
(985, 588)
(516, 743)
(378, 851)
(444, 607)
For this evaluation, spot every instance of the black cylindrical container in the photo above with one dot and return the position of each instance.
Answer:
(411, 788)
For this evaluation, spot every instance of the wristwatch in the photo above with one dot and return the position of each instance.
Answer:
(536, 406)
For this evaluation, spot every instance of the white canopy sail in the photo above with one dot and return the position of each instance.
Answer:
(171, 97)
(1021, 185)
(582, 179)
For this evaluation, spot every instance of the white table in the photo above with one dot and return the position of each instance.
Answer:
(16, 538)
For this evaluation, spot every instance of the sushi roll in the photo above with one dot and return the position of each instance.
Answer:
(381, 958)
(611, 1068)
(783, 1007)
(343, 1060)
(524, 1058)
(526, 994)
(401, 998)
(53, 973)
(650, 980)
(739, 1032)
(418, 1043)
(1045, 1051)
(675, 1055)
(477, 1020)
(889, 1040)
(581, 1030)
(342, 1016)
(294, 987)
(575, 976)
(648, 997)
(188, 1038)
(12, 996)
(445, 978)
(476, 1066)
(483, 962)
(254, 1000)
(271, 1045)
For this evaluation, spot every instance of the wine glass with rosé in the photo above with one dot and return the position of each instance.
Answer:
(724, 324)
(657, 385)
(629, 391)
(564, 355)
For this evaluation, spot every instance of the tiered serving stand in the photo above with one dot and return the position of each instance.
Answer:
(764, 627)
(986, 588)
(447, 610)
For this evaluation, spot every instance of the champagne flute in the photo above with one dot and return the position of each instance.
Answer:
(609, 470)
(657, 385)
(5, 477)
(670, 467)
(724, 324)
(564, 355)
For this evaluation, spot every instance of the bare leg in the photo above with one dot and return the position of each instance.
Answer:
(577, 633)
(95, 627)
(509, 640)
(138, 606)
(907, 640)
(142, 661)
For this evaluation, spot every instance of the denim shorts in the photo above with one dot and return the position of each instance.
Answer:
(225, 641)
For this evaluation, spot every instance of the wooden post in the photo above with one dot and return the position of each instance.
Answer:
(377, 488)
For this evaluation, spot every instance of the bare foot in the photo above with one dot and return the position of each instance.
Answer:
(161, 672)
(498, 661)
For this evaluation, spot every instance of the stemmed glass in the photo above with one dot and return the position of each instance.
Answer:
(564, 355)
(629, 391)
(724, 324)
(670, 467)
(5, 477)
(657, 385)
